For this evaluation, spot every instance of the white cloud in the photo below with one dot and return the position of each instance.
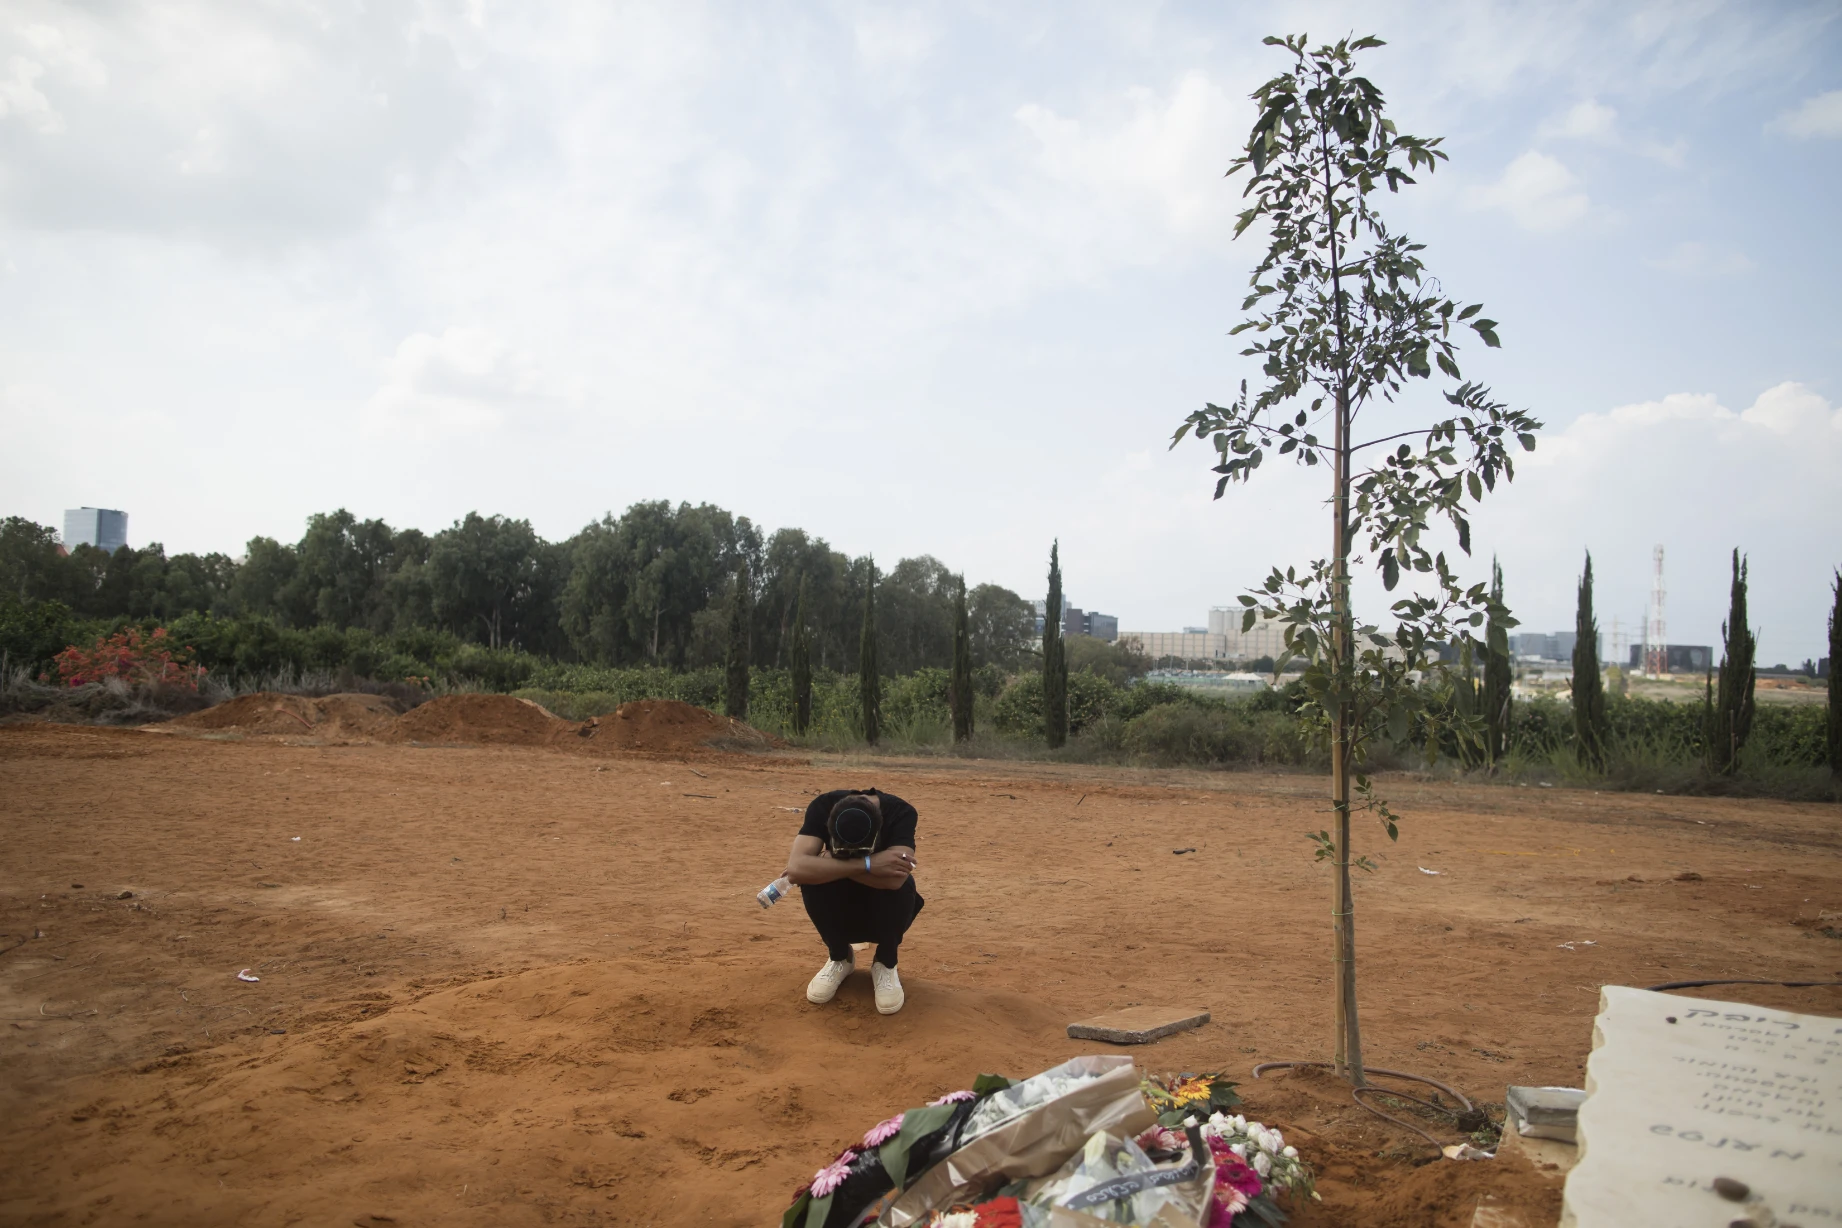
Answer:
(1693, 258)
(463, 383)
(1586, 120)
(1696, 476)
(1146, 151)
(1819, 116)
(1537, 190)
(233, 122)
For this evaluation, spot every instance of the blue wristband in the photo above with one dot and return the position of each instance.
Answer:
(866, 864)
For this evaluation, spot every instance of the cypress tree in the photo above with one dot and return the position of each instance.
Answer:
(1055, 659)
(869, 682)
(960, 693)
(1590, 730)
(735, 701)
(802, 665)
(1498, 676)
(1465, 702)
(1835, 692)
(1730, 720)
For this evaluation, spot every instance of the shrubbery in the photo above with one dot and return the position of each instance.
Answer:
(1652, 745)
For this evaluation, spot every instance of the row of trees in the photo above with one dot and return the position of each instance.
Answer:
(657, 585)
(960, 685)
(1729, 704)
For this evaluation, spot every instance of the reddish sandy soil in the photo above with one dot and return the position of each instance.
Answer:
(527, 985)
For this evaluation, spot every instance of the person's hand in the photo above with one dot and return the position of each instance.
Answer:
(897, 862)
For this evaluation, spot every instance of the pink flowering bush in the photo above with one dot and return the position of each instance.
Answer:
(131, 657)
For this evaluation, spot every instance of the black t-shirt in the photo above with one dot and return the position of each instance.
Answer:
(898, 818)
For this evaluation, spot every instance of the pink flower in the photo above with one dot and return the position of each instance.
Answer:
(1164, 1138)
(1226, 1204)
(954, 1098)
(832, 1175)
(883, 1131)
(1231, 1171)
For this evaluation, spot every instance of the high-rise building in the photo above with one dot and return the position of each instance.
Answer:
(1076, 621)
(101, 527)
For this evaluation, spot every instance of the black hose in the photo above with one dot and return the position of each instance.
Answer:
(1356, 1093)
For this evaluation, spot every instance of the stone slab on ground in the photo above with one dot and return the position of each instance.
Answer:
(1700, 1113)
(1137, 1025)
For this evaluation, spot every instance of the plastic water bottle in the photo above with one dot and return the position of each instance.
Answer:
(774, 892)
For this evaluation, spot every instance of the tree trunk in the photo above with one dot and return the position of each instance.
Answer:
(1348, 1055)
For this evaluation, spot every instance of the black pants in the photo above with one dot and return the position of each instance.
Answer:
(845, 912)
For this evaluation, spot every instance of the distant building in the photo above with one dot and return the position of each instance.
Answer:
(1076, 621)
(101, 527)
(1266, 639)
(1213, 681)
(1553, 646)
(1678, 658)
(1183, 645)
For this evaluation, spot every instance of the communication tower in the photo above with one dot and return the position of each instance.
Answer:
(1656, 637)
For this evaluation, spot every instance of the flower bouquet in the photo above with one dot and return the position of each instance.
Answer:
(1253, 1164)
(891, 1153)
(1082, 1145)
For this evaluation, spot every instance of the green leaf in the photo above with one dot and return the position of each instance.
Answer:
(1477, 489)
(1247, 617)
(795, 1215)
(1470, 311)
(1464, 533)
(986, 1084)
(818, 1210)
(1391, 569)
(916, 1125)
(1527, 441)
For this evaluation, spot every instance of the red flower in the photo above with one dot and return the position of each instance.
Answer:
(1000, 1213)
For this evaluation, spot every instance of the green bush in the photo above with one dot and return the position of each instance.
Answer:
(1019, 710)
(31, 634)
(1215, 735)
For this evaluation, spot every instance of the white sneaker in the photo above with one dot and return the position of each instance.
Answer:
(824, 986)
(889, 995)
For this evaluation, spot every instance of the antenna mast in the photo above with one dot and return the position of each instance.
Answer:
(1656, 638)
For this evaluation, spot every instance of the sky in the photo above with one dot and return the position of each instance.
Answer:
(933, 279)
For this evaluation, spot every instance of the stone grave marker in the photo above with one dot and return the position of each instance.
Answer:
(1700, 1114)
(1138, 1025)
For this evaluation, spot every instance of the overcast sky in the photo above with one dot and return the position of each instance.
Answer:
(918, 279)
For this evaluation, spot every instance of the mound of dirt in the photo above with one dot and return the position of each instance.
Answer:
(668, 727)
(266, 712)
(493, 720)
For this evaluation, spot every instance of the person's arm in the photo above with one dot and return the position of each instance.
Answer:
(809, 864)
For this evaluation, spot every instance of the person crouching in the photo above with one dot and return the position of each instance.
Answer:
(854, 861)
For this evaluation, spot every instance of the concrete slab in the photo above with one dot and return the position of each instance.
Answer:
(1701, 1113)
(1549, 1155)
(1137, 1025)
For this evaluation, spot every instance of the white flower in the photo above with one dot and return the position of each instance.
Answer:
(1240, 1123)
(1290, 1153)
(1270, 1141)
(1190, 1120)
(1239, 1149)
(1263, 1165)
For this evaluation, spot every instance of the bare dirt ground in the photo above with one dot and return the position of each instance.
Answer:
(527, 985)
